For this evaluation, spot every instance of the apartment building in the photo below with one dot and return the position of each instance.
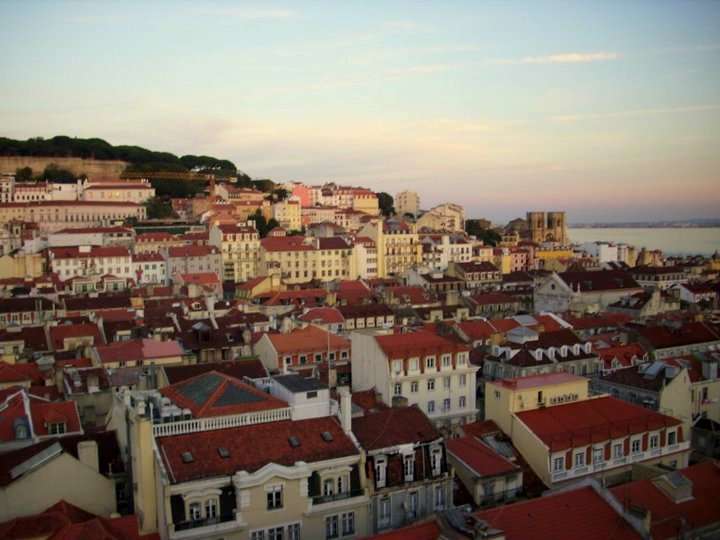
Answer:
(239, 246)
(407, 202)
(288, 214)
(156, 242)
(477, 275)
(427, 370)
(193, 259)
(149, 268)
(121, 191)
(88, 261)
(299, 259)
(565, 434)
(301, 349)
(231, 463)
(410, 477)
(55, 215)
(92, 236)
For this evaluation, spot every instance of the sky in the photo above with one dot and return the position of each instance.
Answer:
(609, 110)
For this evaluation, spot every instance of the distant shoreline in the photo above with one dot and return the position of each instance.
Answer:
(710, 225)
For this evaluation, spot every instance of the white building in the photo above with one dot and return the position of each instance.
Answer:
(602, 252)
(149, 268)
(429, 371)
(88, 261)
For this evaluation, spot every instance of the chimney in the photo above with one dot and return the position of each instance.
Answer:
(345, 409)
(88, 454)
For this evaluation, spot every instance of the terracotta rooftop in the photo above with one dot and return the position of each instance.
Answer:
(138, 349)
(592, 420)
(393, 426)
(571, 515)
(252, 447)
(307, 339)
(479, 457)
(416, 344)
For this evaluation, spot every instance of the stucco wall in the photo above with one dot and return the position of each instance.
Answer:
(63, 477)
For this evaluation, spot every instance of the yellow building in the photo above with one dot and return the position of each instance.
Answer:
(398, 245)
(21, 266)
(288, 214)
(564, 434)
(299, 259)
(240, 249)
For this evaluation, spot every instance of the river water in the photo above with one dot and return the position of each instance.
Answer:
(672, 241)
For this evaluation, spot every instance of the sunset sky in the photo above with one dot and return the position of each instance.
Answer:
(609, 110)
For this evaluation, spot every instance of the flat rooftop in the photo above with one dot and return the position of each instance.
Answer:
(534, 381)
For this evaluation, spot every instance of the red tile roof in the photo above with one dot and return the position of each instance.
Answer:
(43, 414)
(428, 530)
(17, 373)
(74, 252)
(252, 447)
(286, 243)
(150, 256)
(533, 381)
(414, 294)
(416, 344)
(480, 429)
(393, 426)
(200, 278)
(368, 400)
(623, 353)
(668, 517)
(58, 334)
(599, 280)
(661, 337)
(138, 349)
(192, 250)
(309, 339)
(578, 514)
(593, 420)
(215, 393)
(324, 315)
(479, 458)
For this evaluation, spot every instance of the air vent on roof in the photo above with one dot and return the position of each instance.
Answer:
(294, 441)
(327, 436)
(223, 452)
(187, 457)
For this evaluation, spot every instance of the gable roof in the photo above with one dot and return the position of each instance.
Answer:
(599, 280)
(251, 368)
(138, 349)
(308, 339)
(217, 394)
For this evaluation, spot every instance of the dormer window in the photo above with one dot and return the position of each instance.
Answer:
(430, 362)
(56, 428)
(436, 461)
(22, 432)
(380, 469)
(446, 360)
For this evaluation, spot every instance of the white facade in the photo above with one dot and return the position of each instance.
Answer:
(601, 251)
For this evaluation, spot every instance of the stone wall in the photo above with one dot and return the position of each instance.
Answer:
(93, 168)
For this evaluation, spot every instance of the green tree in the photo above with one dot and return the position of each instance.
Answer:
(386, 202)
(158, 208)
(54, 173)
(280, 194)
(24, 174)
(476, 228)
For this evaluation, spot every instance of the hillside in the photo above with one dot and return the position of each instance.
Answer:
(77, 154)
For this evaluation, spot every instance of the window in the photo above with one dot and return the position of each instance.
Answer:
(275, 533)
(384, 514)
(413, 503)
(303, 359)
(431, 406)
(431, 384)
(380, 472)
(274, 498)
(447, 381)
(654, 441)
(580, 459)
(414, 364)
(463, 380)
(409, 468)
(497, 394)
(397, 366)
(414, 387)
(398, 389)
(672, 437)
(617, 450)
(439, 498)
(461, 402)
(635, 446)
(329, 487)
(211, 508)
(430, 362)
(558, 464)
(56, 428)
(195, 511)
(446, 404)
(348, 523)
(598, 455)
(446, 360)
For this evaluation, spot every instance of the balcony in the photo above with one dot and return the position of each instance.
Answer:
(203, 528)
(322, 499)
